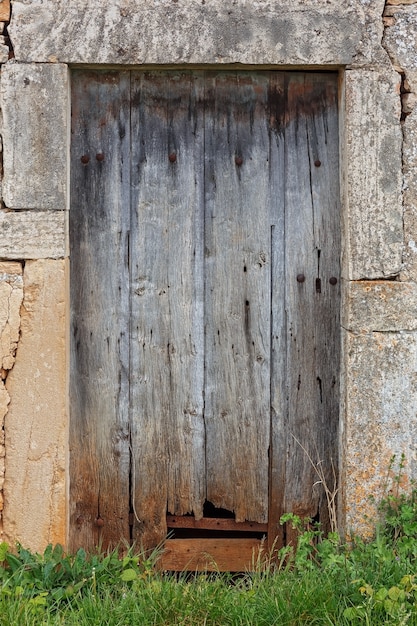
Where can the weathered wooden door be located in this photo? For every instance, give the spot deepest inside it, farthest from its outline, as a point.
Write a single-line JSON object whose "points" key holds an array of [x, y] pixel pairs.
{"points": [[205, 248]]}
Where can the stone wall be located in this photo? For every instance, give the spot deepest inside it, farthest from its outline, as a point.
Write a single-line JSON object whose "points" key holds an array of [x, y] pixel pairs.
{"points": [[373, 44], [380, 317], [11, 287], [33, 305]]}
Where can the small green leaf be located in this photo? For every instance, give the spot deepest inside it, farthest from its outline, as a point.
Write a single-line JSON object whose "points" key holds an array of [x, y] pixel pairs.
{"points": [[13, 562], [366, 590], [395, 593], [381, 594], [128, 575], [351, 613], [389, 606], [407, 583], [39, 600]]}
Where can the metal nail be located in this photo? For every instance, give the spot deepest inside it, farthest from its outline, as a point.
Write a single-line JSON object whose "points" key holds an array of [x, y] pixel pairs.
{"points": [[100, 522], [317, 163], [300, 278], [238, 160], [333, 280], [172, 157], [85, 159], [100, 156]]}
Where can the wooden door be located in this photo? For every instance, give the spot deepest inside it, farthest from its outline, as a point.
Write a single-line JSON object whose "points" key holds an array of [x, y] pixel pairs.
{"points": [[205, 298]]}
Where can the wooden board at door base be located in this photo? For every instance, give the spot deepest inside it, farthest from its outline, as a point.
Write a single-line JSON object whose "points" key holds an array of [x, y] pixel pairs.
{"points": [[205, 295], [212, 555]]}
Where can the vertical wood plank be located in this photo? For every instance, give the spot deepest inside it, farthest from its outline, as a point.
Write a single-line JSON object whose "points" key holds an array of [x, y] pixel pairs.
{"points": [[99, 226], [237, 294], [167, 300], [312, 230], [323, 139], [279, 404]]}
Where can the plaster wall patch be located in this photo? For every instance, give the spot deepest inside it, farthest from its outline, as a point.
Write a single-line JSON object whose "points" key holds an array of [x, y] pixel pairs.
{"points": [[36, 422]]}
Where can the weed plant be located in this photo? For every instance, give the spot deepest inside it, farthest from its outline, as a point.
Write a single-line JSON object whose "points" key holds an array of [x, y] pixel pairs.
{"points": [[323, 581]]}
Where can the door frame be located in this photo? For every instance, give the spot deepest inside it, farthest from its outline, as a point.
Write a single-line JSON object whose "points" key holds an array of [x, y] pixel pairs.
{"points": [[36, 193]]}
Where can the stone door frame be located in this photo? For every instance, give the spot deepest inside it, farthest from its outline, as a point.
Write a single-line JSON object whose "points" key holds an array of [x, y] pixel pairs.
{"points": [[52, 37]]}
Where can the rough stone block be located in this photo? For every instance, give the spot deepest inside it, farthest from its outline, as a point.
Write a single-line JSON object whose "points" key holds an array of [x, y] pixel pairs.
{"points": [[4, 10], [410, 193], [380, 306], [34, 101], [4, 53], [380, 419], [162, 31], [400, 37], [11, 296], [373, 139], [32, 234], [397, 2], [36, 422]]}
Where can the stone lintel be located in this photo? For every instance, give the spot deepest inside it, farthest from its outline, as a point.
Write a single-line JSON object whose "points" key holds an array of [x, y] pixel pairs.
{"points": [[372, 154], [32, 234], [288, 32], [35, 105]]}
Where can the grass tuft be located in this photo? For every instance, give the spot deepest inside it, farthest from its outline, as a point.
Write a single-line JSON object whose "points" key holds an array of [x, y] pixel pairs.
{"points": [[323, 581]]}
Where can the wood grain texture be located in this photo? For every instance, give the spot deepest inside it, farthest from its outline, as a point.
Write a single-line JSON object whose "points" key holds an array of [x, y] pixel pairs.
{"points": [[211, 555], [237, 294], [99, 226], [312, 232], [167, 374], [193, 342]]}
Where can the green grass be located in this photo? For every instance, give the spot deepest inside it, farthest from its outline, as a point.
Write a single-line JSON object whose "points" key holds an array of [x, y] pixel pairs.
{"points": [[325, 583], [322, 582], [268, 599]]}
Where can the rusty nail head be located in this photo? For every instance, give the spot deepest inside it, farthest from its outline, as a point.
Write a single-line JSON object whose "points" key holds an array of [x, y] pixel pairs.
{"points": [[100, 522], [85, 159], [317, 163], [172, 157], [333, 280], [238, 160], [79, 520], [300, 278], [100, 156]]}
